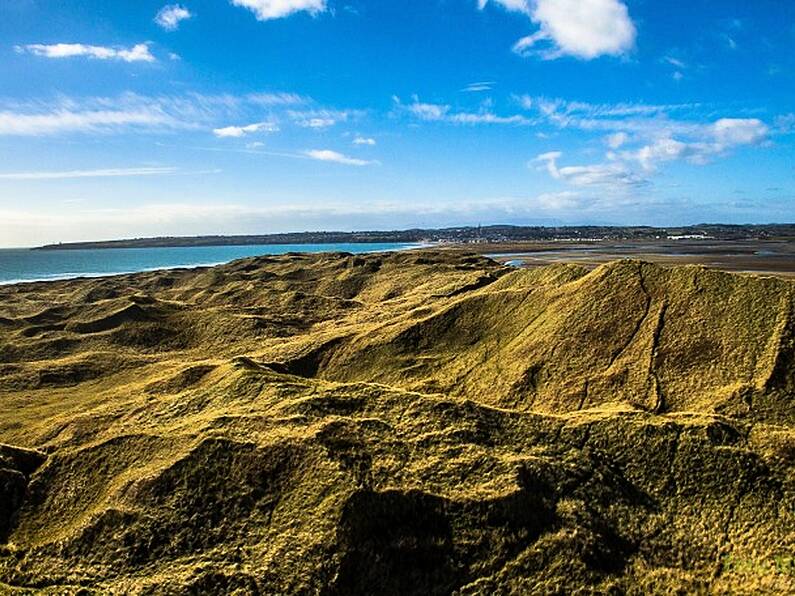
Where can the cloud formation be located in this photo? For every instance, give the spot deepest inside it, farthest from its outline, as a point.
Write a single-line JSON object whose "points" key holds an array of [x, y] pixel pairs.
{"points": [[632, 167], [63, 121], [334, 156], [266, 10], [240, 131], [584, 29], [171, 15], [103, 173], [137, 53], [479, 87], [130, 112], [610, 175], [277, 99], [430, 112], [711, 141], [364, 141], [321, 118]]}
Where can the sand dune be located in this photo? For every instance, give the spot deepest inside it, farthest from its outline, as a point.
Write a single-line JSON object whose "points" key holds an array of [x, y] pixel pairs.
{"points": [[406, 423]]}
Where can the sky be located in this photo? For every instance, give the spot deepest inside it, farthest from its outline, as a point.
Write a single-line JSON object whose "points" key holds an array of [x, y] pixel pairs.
{"points": [[127, 119]]}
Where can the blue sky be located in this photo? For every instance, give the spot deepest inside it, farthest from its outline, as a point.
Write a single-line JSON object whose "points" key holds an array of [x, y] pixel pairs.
{"points": [[122, 119]]}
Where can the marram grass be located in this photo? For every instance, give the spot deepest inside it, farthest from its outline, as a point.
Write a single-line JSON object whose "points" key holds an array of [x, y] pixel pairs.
{"points": [[410, 423]]}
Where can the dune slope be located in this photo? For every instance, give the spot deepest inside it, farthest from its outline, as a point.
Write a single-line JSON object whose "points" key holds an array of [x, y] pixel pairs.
{"points": [[408, 423]]}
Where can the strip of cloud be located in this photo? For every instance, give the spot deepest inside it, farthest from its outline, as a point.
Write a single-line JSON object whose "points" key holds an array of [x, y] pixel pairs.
{"points": [[265, 10], [171, 15], [675, 62], [103, 173], [277, 99], [562, 108], [487, 118], [364, 141], [66, 121], [640, 119], [479, 87], [317, 122], [584, 29], [334, 156], [131, 112], [138, 53], [430, 112], [240, 131], [319, 119]]}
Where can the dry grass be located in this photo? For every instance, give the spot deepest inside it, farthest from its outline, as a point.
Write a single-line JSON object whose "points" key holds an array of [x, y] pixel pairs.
{"points": [[410, 423]]}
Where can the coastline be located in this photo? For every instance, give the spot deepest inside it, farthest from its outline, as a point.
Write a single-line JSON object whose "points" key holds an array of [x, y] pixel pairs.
{"points": [[75, 275]]}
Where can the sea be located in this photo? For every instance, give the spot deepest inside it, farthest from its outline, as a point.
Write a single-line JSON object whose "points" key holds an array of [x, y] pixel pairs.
{"points": [[22, 264]]}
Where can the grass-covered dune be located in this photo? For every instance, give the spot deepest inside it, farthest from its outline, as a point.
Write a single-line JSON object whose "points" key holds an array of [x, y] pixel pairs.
{"points": [[407, 423]]}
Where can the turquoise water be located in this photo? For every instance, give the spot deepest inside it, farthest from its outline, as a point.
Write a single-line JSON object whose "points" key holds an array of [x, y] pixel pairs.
{"points": [[17, 265]]}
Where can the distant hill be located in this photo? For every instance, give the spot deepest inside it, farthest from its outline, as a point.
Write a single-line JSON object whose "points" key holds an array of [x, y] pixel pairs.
{"points": [[492, 233]]}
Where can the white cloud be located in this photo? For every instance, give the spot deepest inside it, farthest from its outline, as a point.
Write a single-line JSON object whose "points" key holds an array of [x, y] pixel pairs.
{"points": [[137, 53], [487, 118], [512, 5], [321, 118], [730, 132], [712, 141], [674, 62], [616, 140], [428, 111], [277, 99], [479, 87], [611, 175], [443, 113], [133, 112], [700, 144], [317, 122], [563, 109], [585, 29], [170, 16], [364, 141], [333, 156], [104, 173], [240, 131], [275, 9], [61, 121], [661, 150], [122, 113], [649, 120]]}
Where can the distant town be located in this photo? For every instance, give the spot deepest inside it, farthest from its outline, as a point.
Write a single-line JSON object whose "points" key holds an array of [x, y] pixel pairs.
{"points": [[492, 234]]}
